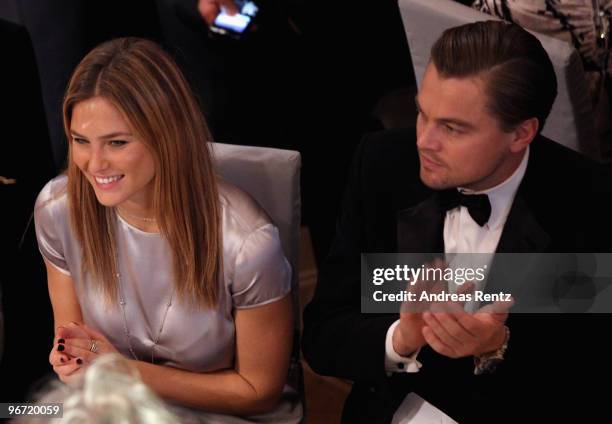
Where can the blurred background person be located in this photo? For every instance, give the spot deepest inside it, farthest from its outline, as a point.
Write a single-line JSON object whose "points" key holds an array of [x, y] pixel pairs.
{"points": [[585, 24], [26, 165]]}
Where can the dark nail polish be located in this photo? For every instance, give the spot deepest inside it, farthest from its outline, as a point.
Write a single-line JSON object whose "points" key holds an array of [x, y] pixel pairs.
{"points": [[60, 348], [61, 341], [79, 361]]}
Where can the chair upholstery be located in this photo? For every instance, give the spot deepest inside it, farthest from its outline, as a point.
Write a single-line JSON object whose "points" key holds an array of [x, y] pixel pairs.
{"points": [[272, 178], [571, 121]]}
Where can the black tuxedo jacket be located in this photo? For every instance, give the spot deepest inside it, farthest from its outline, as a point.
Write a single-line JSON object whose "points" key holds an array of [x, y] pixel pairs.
{"points": [[554, 364]]}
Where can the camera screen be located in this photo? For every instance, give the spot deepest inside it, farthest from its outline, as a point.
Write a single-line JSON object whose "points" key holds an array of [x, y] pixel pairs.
{"points": [[239, 22]]}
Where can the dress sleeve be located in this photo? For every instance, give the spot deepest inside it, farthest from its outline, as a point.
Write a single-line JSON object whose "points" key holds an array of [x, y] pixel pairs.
{"points": [[49, 242], [262, 273]]}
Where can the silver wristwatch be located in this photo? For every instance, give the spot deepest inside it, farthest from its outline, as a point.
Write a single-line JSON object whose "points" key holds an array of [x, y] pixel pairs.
{"points": [[488, 362]]}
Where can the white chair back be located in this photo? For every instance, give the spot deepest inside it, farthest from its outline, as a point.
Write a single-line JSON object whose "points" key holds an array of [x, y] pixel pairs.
{"points": [[272, 178]]}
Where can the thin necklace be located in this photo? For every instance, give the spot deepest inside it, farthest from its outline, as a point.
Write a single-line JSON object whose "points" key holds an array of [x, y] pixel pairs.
{"points": [[126, 329], [135, 216]]}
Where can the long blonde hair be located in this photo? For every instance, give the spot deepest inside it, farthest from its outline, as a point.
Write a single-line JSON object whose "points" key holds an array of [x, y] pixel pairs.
{"points": [[143, 82]]}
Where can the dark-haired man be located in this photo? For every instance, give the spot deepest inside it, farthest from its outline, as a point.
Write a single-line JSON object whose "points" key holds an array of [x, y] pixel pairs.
{"points": [[485, 96]]}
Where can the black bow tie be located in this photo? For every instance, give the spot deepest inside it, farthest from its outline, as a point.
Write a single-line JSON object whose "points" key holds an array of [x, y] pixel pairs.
{"points": [[478, 205]]}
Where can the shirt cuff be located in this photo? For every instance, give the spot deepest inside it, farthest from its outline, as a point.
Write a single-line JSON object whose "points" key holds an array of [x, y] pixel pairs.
{"points": [[394, 362]]}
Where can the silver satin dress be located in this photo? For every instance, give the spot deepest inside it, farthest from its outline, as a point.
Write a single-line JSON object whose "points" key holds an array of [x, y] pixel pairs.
{"points": [[255, 273]]}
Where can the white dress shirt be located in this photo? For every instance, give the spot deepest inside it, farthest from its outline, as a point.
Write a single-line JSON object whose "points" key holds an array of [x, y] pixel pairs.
{"points": [[463, 235]]}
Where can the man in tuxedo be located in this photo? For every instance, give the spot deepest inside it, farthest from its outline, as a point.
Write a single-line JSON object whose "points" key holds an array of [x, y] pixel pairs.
{"points": [[478, 178]]}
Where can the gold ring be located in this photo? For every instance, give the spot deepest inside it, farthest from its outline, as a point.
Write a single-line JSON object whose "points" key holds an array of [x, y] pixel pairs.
{"points": [[93, 346]]}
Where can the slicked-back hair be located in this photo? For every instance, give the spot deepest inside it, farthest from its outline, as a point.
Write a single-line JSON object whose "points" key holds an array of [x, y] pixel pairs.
{"points": [[520, 80]]}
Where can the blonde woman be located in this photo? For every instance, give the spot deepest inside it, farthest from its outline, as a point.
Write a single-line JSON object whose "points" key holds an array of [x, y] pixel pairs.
{"points": [[150, 255]]}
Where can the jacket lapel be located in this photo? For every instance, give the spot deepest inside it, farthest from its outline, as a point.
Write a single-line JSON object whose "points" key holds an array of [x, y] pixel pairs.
{"points": [[420, 229], [522, 233]]}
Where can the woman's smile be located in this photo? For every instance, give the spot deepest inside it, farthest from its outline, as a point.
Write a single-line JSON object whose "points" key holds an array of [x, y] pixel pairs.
{"points": [[107, 183]]}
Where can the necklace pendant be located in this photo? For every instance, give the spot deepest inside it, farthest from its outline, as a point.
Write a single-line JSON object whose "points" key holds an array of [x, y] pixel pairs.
{"points": [[126, 329]]}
